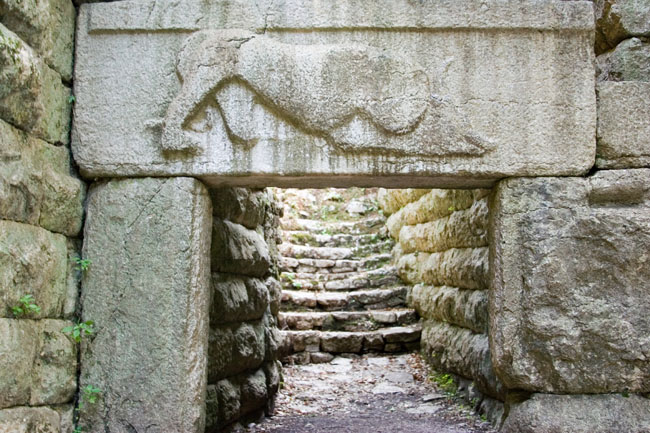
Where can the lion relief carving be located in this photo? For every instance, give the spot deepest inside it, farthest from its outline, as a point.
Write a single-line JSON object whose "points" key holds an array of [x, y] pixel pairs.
{"points": [[355, 97]]}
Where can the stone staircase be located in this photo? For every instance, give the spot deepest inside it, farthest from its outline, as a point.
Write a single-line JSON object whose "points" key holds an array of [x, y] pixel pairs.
{"points": [[340, 294]]}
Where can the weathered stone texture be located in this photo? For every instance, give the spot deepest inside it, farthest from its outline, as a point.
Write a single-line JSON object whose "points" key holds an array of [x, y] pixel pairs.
{"points": [[620, 19], [579, 414], [281, 119], [630, 61], [234, 349], [148, 291], [459, 350], [47, 26], [38, 363], [568, 299], [35, 183], [463, 229], [240, 205], [30, 420], [623, 126], [237, 298], [466, 268], [392, 200], [35, 262], [464, 308], [32, 96], [238, 250]]}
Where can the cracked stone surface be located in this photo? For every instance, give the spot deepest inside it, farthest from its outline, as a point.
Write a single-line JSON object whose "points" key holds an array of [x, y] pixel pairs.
{"points": [[365, 394]]}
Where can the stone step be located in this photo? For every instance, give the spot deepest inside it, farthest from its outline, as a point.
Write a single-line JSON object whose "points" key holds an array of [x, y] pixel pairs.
{"points": [[306, 265], [302, 237], [374, 299], [351, 321], [334, 253], [366, 225], [299, 345], [382, 277]]}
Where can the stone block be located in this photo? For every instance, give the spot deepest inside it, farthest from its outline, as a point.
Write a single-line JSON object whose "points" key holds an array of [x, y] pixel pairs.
{"points": [[275, 294], [223, 404], [463, 352], [47, 26], [579, 414], [253, 392], [35, 183], [148, 292], [341, 342], [462, 229], [630, 61], [30, 420], [32, 96], [466, 268], [619, 19], [238, 250], [240, 205], [33, 262], [17, 353], [235, 348], [73, 280], [385, 96], [38, 363], [438, 203], [237, 299], [464, 308], [54, 373], [392, 200], [623, 127], [569, 303]]}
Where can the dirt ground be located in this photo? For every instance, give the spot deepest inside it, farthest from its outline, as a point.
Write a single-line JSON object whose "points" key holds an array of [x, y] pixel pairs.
{"points": [[368, 394]]}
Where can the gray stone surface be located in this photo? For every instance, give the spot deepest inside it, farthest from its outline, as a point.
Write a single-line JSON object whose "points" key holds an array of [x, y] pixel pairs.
{"points": [[569, 283], [579, 414], [458, 350], [237, 299], [33, 262], [30, 419], [238, 250], [630, 61], [47, 26], [35, 183], [623, 126], [619, 19], [240, 205], [331, 105], [32, 96], [234, 349], [38, 363], [147, 291], [465, 308]]}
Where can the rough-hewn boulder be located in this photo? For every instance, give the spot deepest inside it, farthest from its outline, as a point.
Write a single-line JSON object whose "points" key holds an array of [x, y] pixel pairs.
{"points": [[630, 61], [606, 413], [148, 291], [47, 26], [32, 96], [240, 205], [465, 308], [237, 299], [34, 262], [238, 250], [623, 127], [619, 19], [30, 419], [569, 293], [235, 348], [35, 183]]}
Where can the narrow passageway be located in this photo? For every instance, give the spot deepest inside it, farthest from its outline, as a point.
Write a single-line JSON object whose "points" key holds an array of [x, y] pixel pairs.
{"points": [[366, 394], [349, 340]]}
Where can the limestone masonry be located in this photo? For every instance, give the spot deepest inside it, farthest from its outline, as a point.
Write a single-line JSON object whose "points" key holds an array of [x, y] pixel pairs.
{"points": [[149, 282]]}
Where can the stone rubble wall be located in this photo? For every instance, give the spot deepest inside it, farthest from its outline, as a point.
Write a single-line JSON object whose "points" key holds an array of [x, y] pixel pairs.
{"points": [[243, 367], [41, 216], [443, 251]]}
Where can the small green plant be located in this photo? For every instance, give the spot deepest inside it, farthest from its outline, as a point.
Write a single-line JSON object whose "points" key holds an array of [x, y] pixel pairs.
{"points": [[72, 99], [82, 265], [91, 394], [26, 306], [445, 382], [77, 429], [77, 331], [296, 284], [451, 209]]}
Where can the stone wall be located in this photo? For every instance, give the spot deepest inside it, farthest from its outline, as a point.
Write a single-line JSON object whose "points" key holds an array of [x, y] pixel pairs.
{"points": [[41, 216], [243, 366], [443, 251]]}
